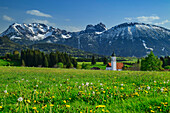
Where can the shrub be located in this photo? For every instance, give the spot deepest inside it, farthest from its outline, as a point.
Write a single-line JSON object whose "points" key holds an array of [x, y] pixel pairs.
{"points": [[167, 67]]}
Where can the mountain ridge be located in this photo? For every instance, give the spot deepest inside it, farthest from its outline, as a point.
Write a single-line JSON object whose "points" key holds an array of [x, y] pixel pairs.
{"points": [[127, 39]]}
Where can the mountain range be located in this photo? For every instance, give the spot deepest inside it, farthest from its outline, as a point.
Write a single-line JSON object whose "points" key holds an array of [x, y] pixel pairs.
{"points": [[127, 39]]}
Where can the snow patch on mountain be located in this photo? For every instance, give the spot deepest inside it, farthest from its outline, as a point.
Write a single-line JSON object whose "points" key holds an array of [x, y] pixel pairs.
{"points": [[144, 44], [66, 36], [14, 37]]}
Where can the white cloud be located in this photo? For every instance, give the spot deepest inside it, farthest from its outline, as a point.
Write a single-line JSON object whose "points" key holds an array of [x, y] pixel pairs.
{"points": [[71, 28], [38, 13], [7, 18], [128, 18], [145, 19], [40, 21], [163, 22]]}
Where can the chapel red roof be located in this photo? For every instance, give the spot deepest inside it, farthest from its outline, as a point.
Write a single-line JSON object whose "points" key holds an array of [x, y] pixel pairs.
{"points": [[118, 65]]}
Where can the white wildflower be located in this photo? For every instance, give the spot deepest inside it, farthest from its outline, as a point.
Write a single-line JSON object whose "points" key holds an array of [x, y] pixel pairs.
{"points": [[20, 99], [162, 89], [121, 84], [22, 79], [148, 88], [93, 92], [87, 83], [79, 87], [91, 83], [82, 84], [26, 80], [36, 85], [101, 84], [60, 84], [5, 91]]}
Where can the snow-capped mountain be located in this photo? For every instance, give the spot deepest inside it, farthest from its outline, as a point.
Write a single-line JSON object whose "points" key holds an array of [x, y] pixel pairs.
{"points": [[127, 39], [31, 33]]}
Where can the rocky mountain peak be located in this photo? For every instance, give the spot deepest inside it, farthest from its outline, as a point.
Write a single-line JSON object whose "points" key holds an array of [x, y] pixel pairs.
{"points": [[95, 28]]}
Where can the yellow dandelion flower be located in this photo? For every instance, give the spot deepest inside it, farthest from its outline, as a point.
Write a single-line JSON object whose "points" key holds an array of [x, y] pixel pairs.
{"points": [[150, 107], [115, 87], [121, 88], [51, 105], [28, 101], [81, 112], [107, 110], [152, 111], [104, 91], [91, 111], [103, 110], [70, 98], [34, 108], [43, 107], [64, 101], [0, 107], [67, 106], [158, 107], [100, 106], [53, 96], [34, 101]]}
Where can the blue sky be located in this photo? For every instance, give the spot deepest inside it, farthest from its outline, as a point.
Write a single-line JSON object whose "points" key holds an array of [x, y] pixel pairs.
{"points": [[74, 15]]}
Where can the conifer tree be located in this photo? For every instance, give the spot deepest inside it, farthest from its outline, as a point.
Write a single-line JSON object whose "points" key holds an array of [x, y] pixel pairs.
{"points": [[23, 63], [74, 62], [105, 61], [93, 61], [68, 64], [45, 62]]}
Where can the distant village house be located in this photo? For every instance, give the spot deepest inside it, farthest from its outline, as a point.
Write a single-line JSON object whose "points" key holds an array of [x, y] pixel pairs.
{"points": [[114, 65]]}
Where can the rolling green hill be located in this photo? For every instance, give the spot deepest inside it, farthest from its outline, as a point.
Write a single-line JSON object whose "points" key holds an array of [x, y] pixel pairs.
{"points": [[9, 46]]}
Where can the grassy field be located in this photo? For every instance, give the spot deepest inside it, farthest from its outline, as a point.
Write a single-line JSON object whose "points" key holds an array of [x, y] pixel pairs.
{"points": [[53, 90], [89, 66]]}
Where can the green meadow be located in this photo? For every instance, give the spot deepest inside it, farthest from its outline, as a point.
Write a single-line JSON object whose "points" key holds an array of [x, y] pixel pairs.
{"points": [[51, 90]]}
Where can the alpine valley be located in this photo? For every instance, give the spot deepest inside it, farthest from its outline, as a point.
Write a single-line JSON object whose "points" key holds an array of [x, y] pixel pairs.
{"points": [[127, 39]]}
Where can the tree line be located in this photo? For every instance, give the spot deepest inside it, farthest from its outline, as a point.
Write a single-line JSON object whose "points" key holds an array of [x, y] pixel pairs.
{"points": [[38, 58]]}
